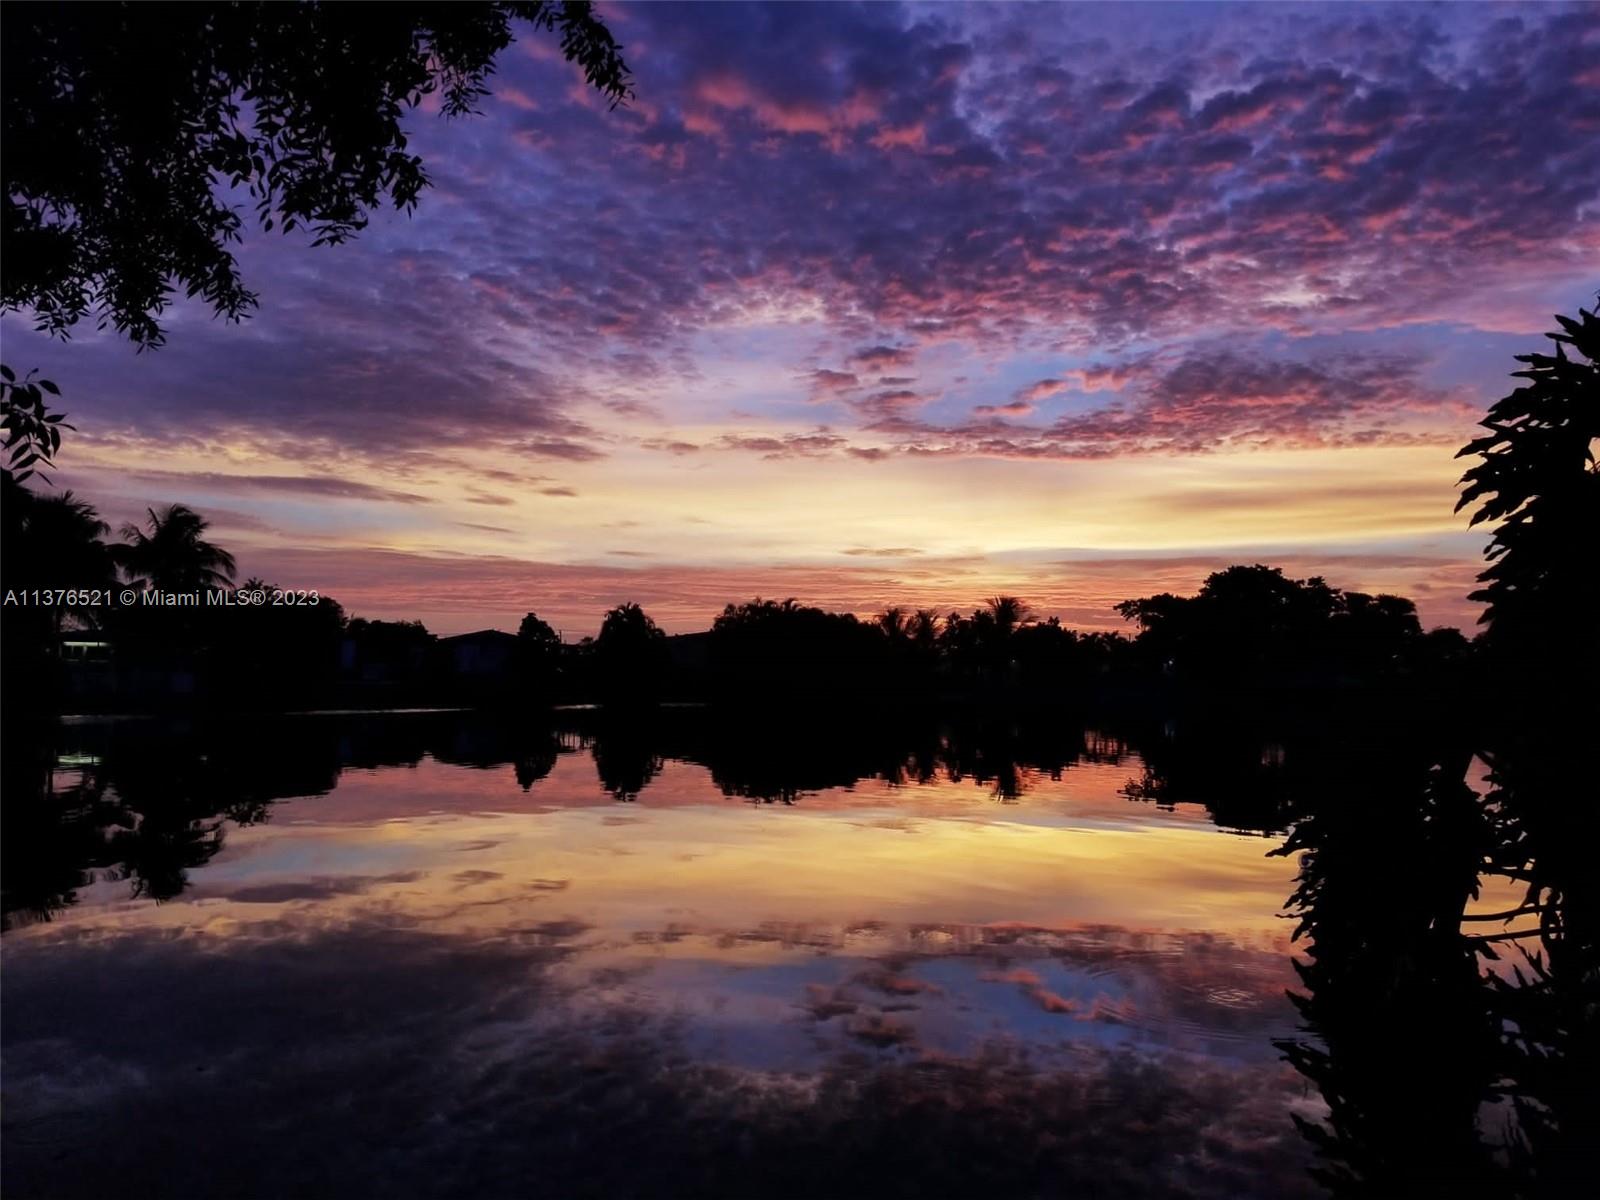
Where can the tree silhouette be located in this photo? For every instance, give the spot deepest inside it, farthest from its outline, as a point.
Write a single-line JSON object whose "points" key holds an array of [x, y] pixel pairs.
{"points": [[538, 635], [47, 542], [785, 651], [266, 656], [539, 649], [539, 660], [1008, 613], [389, 652], [923, 628], [1252, 626], [1539, 480], [32, 431], [979, 650], [53, 542], [630, 654], [1046, 655], [118, 125], [894, 622], [170, 553]]}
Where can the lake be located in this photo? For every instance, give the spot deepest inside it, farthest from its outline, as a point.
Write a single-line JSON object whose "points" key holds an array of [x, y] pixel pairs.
{"points": [[438, 954]]}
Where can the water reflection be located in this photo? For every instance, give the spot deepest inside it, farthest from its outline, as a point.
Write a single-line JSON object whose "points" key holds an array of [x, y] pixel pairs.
{"points": [[442, 954], [149, 800], [1451, 979]]}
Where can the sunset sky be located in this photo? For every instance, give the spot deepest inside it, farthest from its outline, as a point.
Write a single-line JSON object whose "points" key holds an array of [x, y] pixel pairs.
{"points": [[894, 304]]}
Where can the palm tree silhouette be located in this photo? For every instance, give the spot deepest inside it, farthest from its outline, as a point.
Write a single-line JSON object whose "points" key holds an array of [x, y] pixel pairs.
{"points": [[50, 542], [62, 541], [171, 554], [1008, 613], [894, 623]]}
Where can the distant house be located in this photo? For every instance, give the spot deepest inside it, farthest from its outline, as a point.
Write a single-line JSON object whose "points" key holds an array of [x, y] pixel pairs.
{"points": [[488, 654], [83, 649], [86, 667], [92, 674]]}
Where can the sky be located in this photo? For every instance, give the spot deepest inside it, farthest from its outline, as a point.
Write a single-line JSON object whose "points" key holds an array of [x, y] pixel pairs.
{"points": [[894, 304]]}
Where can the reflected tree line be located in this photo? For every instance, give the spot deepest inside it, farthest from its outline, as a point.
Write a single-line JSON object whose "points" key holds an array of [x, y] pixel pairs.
{"points": [[1444, 1034], [148, 800], [1451, 981], [1452, 1038]]}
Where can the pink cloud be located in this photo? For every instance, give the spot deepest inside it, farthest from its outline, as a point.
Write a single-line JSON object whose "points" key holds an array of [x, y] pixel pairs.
{"points": [[906, 137], [517, 98], [1016, 408], [1042, 390]]}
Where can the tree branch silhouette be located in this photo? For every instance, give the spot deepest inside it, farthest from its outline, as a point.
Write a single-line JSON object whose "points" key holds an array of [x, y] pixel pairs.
{"points": [[131, 132]]}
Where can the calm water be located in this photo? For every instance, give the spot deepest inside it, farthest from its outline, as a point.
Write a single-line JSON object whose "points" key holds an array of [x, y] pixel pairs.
{"points": [[439, 955]]}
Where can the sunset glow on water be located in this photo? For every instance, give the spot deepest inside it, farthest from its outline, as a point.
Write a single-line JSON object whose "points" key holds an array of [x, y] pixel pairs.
{"points": [[883, 927]]}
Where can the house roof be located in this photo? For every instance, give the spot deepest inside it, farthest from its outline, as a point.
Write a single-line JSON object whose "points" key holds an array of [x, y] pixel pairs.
{"points": [[481, 636]]}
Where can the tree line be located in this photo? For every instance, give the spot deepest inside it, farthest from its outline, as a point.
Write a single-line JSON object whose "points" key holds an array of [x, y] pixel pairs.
{"points": [[1249, 627]]}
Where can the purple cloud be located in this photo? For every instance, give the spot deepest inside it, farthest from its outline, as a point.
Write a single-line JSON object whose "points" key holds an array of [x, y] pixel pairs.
{"points": [[914, 176]]}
